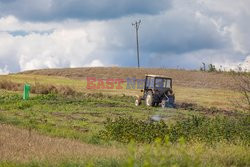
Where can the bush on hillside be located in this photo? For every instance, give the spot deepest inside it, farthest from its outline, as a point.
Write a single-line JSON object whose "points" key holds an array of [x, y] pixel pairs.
{"points": [[9, 85], [38, 88], [195, 128]]}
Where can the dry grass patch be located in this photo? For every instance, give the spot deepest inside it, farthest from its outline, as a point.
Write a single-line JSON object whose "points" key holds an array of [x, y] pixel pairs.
{"points": [[9, 85], [20, 145], [38, 88], [186, 78], [48, 88], [206, 97]]}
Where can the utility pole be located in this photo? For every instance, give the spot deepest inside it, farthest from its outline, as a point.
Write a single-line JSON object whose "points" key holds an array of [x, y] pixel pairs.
{"points": [[137, 26]]}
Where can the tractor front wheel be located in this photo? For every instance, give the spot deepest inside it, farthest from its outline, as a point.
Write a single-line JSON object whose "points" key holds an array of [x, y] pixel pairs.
{"points": [[149, 99]]}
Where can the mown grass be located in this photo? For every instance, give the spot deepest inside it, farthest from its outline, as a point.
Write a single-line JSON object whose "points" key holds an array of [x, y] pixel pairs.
{"points": [[219, 98]]}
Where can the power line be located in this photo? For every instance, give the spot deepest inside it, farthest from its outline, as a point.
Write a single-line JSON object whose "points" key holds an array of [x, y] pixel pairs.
{"points": [[137, 26]]}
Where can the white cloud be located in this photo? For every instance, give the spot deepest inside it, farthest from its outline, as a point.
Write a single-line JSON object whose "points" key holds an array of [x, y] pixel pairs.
{"points": [[61, 48], [232, 17], [4, 71], [95, 63], [70, 44], [185, 35], [236, 66], [11, 23]]}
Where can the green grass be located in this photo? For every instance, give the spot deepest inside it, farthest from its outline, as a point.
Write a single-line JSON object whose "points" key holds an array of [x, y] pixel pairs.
{"points": [[82, 117], [73, 117]]}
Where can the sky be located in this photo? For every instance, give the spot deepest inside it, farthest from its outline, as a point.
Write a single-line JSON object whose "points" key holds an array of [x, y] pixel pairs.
{"points": [[37, 34]]}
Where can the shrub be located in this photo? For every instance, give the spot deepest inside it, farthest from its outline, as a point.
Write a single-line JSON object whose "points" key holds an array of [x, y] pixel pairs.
{"points": [[9, 85], [43, 89], [38, 88], [211, 68], [127, 129], [195, 128], [66, 90], [212, 129], [191, 154], [51, 89]]}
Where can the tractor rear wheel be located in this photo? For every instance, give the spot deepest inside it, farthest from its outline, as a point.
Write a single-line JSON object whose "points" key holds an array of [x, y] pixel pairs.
{"points": [[149, 99], [137, 102]]}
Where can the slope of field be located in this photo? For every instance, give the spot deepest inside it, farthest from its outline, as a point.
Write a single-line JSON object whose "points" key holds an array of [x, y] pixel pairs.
{"points": [[181, 77], [20, 145]]}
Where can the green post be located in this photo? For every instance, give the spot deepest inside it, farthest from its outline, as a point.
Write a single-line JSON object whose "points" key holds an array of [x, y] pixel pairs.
{"points": [[26, 92]]}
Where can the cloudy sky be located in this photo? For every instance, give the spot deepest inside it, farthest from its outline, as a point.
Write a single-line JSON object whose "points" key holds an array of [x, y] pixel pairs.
{"points": [[38, 34]]}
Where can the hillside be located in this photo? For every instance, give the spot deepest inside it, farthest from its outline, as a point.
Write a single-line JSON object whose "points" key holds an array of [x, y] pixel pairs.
{"points": [[197, 79], [65, 124]]}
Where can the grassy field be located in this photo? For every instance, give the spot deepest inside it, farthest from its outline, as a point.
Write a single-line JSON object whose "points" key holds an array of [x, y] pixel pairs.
{"points": [[66, 130], [209, 97]]}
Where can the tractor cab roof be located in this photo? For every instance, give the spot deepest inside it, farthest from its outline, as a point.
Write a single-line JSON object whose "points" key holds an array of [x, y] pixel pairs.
{"points": [[158, 76]]}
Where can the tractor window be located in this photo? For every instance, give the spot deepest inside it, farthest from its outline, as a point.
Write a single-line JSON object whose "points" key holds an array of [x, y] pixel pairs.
{"points": [[162, 83], [150, 83], [167, 83]]}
